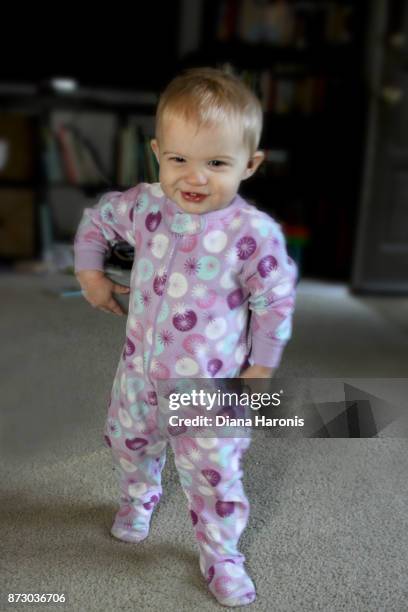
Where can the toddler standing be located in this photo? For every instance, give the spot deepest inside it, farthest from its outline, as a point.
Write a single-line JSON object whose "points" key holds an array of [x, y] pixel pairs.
{"points": [[211, 295]]}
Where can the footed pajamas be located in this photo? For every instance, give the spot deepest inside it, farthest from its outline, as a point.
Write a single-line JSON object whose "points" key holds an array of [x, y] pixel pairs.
{"points": [[209, 294]]}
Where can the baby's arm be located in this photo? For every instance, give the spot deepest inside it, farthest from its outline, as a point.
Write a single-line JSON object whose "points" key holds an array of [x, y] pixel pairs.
{"points": [[270, 276], [108, 222]]}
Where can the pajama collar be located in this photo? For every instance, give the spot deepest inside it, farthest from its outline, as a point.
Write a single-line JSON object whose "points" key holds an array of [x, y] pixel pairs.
{"points": [[181, 222]]}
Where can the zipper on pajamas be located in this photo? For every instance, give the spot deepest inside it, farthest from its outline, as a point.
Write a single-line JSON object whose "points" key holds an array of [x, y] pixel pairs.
{"points": [[171, 259]]}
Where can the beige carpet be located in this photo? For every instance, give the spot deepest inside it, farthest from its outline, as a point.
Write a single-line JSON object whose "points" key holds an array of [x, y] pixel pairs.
{"points": [[328, 528]]}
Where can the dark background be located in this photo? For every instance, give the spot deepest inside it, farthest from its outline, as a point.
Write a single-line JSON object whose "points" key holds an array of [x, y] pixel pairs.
{"points": [[140, 49], [127, 48]]}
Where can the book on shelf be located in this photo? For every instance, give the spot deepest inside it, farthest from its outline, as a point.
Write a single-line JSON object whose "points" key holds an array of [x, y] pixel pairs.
{"points": [[69, 160], [70, 157], [227, 20], [284, 23], [78, 147], [338, 27], [128, 154], [296, 92], [51, 156], [83, 147], [90, 165], [137, 161], [250, 21]]}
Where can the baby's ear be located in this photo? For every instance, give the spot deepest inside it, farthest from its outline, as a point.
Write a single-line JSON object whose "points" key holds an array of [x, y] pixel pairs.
{"points": [[155, 148], [253, 163]]}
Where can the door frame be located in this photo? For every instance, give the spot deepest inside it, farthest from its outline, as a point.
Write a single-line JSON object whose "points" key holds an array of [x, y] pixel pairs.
{"points": [[374, 62]]}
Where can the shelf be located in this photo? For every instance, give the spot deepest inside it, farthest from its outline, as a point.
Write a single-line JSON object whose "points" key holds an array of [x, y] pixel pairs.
{"points": [[37, 99], [15, 184]]}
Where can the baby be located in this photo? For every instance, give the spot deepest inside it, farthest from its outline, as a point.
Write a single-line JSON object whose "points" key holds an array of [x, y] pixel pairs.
{"points": [[212, 295]]}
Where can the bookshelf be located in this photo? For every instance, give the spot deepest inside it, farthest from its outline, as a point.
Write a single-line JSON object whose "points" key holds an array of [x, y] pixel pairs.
{"points": [[305, 61], [59, 153]]}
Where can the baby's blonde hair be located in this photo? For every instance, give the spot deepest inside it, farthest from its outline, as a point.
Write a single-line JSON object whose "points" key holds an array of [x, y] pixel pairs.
{"points": [[209, 96]]}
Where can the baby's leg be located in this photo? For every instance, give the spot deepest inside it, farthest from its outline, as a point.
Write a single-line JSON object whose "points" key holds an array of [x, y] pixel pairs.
{"points": [[210, 473], [139, 455]]}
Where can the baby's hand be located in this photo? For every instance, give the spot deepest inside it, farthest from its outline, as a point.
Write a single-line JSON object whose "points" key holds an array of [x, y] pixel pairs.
{"points": [[258, 371], [97, 289]]}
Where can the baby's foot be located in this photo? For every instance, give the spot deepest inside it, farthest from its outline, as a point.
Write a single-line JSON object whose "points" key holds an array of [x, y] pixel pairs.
{"points": [[132, 523], [230, 584]]}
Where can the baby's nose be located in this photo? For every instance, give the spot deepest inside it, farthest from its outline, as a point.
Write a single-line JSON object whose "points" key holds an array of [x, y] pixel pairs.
{"points": [[196, 178]]}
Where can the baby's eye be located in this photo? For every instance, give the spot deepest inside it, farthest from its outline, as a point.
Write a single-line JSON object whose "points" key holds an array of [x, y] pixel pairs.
{"points": [[177, 159], [217, 163]]}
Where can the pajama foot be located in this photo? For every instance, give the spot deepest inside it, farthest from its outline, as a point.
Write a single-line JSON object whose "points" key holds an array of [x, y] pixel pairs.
{"points": [[230, 584], [129, 536], [131, 524]]}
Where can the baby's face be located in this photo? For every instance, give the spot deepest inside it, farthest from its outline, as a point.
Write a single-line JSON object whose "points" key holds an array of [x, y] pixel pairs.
{"points": [[201, 170]]}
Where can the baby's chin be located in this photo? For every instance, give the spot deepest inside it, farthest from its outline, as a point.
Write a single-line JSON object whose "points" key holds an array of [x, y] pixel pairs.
{"points": [[194, 208], [199, 208]]}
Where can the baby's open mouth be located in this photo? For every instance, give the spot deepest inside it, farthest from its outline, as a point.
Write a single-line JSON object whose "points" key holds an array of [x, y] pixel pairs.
{"points": [[192, 196]]}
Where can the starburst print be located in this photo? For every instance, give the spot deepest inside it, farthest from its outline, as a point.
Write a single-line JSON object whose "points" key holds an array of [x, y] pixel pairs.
{"points": [[246, 246], [113, 427], [166, 337], [191, 265], [180, 309], [183, 323], [209, 317], [146, 298], [107, 213], [231, 256]]}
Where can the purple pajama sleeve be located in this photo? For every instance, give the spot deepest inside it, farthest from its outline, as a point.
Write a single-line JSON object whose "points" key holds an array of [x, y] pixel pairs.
{"points": [[270, 277], [108, 222]]}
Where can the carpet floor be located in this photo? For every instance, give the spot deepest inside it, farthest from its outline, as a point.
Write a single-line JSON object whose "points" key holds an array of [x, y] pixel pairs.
{"points": [[328, 524]]}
